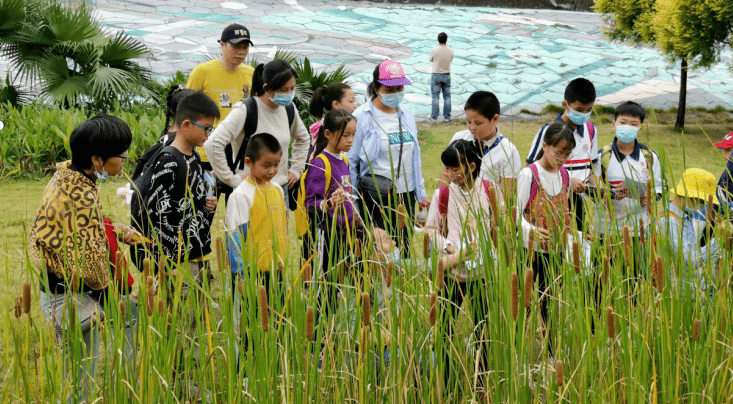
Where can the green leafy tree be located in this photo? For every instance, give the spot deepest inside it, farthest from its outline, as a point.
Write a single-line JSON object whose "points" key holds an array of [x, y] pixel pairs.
{"points": [[75, 62], [693, 32]]}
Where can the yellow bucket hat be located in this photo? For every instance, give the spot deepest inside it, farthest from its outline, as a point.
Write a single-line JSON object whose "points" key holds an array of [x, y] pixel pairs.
{"points": [[697, 183]]}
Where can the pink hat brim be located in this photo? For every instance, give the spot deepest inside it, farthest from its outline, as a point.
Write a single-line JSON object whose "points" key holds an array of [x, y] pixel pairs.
{"points": [[395, 82]]}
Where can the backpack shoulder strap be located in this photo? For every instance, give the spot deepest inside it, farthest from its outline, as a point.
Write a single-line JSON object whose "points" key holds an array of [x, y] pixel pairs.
{"points": [[535, 187], [565, 177], [648, 155], [327, 170], [346, 159], [250, 127], [591, 131], [290, 109], [443, 200], [488, 186]]}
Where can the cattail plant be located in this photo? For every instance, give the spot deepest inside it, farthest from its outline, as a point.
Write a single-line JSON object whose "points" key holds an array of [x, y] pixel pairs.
{"points": [[401, 216], [220, 254], [530, 246], [161, 270], [18, 307], [696, 330], [119, 261], [433, 316], [627, 246], [426, 244], [606, 268], [366, 309], [658, 273], [559, 373], [240, 286], [75, 281], [576, 256], [26, 298], [515, 296], [309, 322], [610, 322], [150, 291], [709, 212], [357, 248], [146, 268], [649, 199], [161, 307], [264, 308], [528, 286], [307, 271], [440, 282], [642, 232], [123, 310]]}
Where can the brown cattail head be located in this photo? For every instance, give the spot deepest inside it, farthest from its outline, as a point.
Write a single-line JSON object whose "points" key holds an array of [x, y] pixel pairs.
{"points": [[709, 211], [528, 286], [366, 309], [606, 268], [146, 268], [18, 307], [659, 273], [357, 248], [440, 281], [75, 281], [649, 199], [119, 262], [264, 308], [433, 316], [309, 320], [150, 291], [642, 232], [610, 322], [696, 330], [515, 296], [161, 307], [26, 298], [401, 215], [426, 244], [494, 203], [307, 272], [161, 270], [576, 256], [220, 255], [388, 275], [627, 246], [530, 246], [559, 373], [123, 310]]}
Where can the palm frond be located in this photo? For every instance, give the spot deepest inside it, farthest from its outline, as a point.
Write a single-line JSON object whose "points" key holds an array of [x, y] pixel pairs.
{"points": [[66, 24], [121, 48], [13, 12]]}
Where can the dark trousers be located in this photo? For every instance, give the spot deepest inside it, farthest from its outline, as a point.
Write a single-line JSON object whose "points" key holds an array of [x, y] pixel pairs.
{"points": [[454, 295], [383, 213], [576, 203]]}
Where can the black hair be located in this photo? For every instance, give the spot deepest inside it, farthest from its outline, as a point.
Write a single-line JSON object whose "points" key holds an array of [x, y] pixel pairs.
{"points": [[274, 74], [373, 87], [104, 136], [175, 95], [334, 121], [261, 141], [462, 153], [324, 97], [581, 90], [442, 38], [196, 106], [485, 103], [555, 134], [630, 108]]}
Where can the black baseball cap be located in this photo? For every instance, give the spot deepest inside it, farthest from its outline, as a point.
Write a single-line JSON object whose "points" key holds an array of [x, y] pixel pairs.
{"points": [[235, 34]]}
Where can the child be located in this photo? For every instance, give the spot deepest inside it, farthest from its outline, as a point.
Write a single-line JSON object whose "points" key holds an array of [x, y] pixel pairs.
{"points": [[725, 183], [179, 204], [458, 222], [627, 166], [256, 214], [330, 97], [542, 198], [501, 162], [329, 204], [582, 164], [683, 227]]}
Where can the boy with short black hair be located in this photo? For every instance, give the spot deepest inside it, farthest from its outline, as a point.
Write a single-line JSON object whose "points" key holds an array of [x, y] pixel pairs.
{"points": [[256, 214], [582, 164], [180, 202]]}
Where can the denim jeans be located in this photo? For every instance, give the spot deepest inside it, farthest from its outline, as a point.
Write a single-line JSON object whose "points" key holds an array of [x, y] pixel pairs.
{"points": [[438, 83]]}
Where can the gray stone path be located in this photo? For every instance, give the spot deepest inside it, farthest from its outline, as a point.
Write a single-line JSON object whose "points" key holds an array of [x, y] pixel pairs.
{"points": [[524, 56]]}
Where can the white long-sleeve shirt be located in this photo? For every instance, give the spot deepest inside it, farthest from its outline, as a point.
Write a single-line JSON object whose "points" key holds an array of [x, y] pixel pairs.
{"points": [[269, 120]]}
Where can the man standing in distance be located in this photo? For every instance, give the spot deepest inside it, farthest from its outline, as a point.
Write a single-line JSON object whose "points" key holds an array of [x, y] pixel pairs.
{"points": [[225, 80], [441, 56]]}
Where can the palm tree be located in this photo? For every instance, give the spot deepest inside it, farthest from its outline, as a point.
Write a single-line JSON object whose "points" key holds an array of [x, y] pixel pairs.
{"points": [[75, 62]]}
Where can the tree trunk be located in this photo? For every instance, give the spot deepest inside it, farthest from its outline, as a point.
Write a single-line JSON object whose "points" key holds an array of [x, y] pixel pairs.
{"points": [[680, 123]]}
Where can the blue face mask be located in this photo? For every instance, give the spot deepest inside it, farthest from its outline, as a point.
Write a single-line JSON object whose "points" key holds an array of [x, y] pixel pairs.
{"points": [[626, 133], [392, 100], [578, 118], [284, 99]]}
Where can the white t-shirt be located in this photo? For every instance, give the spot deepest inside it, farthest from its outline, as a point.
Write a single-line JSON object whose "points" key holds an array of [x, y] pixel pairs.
{"points": [[389, 124], [551, 182], [501, 160], [583, 160]]}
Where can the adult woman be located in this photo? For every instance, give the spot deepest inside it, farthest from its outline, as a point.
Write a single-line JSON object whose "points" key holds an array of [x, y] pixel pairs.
{"points": [[273, 91], [68, 241], [384, 160]]}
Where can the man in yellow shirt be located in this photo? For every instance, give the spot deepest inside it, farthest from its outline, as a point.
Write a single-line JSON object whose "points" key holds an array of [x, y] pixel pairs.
{"points": [[225, 80]]}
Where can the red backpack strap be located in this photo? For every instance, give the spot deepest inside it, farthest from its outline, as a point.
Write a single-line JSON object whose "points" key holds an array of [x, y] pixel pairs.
{"points": [[443, 200], [535, 184], [591, 131]]}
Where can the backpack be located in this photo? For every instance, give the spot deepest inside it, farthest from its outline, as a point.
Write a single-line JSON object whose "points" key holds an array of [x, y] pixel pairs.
{"points": [[236, 163], [443, 197], [143, 163], [302, 220], [535, 187], [645, 151]]}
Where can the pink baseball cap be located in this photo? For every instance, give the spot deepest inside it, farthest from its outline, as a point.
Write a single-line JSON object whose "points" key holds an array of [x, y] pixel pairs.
{"points": [[726, 143], [391, 74]]}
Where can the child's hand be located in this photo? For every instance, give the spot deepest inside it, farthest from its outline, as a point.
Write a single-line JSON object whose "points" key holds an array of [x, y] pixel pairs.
{"points": [[543, 233], [337, 198], [211, 203], [577, 185], [130, 236], [620, 192]]}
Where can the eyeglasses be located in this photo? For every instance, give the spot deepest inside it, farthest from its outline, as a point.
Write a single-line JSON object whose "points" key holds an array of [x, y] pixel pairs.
{"points": [[207, 129], [124, 158]]}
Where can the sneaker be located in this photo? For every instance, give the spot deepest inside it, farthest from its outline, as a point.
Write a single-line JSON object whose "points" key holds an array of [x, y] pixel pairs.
{"points": [[431, 120], [448, 120]]}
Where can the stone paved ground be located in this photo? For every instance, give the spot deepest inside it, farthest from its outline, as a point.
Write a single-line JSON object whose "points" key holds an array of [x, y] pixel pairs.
{"points": [[524, 56]]}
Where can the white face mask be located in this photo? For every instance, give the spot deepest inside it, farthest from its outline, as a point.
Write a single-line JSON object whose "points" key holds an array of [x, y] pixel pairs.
{"points": [[101, 176]]}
